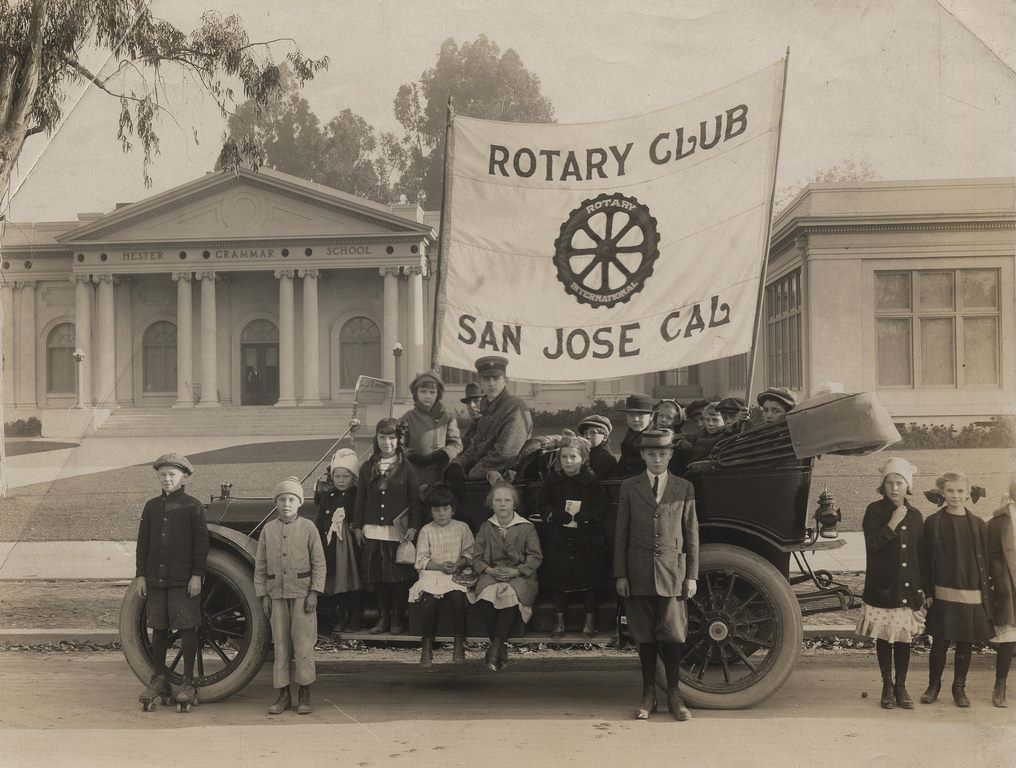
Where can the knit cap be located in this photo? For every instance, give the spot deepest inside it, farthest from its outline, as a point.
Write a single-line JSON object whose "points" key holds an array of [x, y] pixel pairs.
{"points": [[289, 485], [901, 467], [347, 459]]}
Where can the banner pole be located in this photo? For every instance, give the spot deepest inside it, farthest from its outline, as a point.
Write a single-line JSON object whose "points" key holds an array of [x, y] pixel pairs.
{"points": [[769, 233], [441, 238]]}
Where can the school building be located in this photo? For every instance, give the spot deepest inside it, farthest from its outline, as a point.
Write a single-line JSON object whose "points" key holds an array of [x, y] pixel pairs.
{"points": [[263, 290]]}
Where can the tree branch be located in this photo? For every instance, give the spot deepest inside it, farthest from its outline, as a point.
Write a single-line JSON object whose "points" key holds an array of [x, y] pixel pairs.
{"points": [[34, 130]]}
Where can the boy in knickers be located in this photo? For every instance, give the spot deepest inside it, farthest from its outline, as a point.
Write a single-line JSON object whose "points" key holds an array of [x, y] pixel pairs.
{"points": [[171, 553]]}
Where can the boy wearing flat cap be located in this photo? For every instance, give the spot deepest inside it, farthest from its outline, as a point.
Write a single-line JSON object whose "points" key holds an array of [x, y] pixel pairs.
{"points": [[500, 433], [638, 414], [656, 566], [289, 574], [596, 429], [172, 549]]}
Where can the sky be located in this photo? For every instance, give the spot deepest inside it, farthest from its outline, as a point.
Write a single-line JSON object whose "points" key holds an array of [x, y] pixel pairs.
{"points": [[915, 89]]}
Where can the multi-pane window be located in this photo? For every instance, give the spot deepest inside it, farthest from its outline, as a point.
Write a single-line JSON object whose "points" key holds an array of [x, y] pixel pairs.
{"points": [[457, 375], [678, 377], [937, 328], [60, 374], [159, 367], [737, 371], [783, 332]]}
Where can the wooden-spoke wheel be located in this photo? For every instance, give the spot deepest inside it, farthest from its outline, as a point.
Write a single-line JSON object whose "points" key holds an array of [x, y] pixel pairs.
{"points": [[233, 637], [744, 631]]}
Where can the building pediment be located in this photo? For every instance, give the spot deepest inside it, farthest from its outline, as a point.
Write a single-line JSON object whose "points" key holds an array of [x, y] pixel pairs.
{"points": [[245, 206]]}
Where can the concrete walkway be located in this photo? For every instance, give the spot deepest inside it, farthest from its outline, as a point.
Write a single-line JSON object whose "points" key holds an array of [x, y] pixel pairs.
{"points": [[53, 560]]}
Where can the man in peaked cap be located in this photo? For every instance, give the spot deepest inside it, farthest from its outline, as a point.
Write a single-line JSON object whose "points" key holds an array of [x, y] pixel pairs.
{"points": [[501, 431]]}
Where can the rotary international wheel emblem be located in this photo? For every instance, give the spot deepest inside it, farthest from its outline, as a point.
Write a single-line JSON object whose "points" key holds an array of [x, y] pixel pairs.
{"points": [[606, 250]]}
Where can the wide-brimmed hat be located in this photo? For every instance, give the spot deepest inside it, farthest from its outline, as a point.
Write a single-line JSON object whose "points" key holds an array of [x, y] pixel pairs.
{"points": [[492, 365], [174, 460], [427, 376], [473, 392], [655, 438], [695, 407], [781, 395], [596, 421], [636, 404]]}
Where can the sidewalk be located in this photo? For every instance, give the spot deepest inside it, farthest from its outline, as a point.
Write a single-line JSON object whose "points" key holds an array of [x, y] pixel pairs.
{"points": [[54, 560]]}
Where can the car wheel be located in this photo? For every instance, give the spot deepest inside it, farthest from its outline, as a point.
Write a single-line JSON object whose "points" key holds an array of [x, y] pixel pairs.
{"points": [[744, 631], [233, 637]]}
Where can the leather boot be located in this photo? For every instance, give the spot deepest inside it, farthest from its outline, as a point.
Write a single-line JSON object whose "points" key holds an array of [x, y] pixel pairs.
{"points": [[959, 693], [903, 700], [676, 706], [589, 626], [397, 626], [459, 650], [427, 651], [931, 694], [282, 703], [303, 696], [490, 659], [998, 694], [558, 629], [888, 700], [383, 622]]}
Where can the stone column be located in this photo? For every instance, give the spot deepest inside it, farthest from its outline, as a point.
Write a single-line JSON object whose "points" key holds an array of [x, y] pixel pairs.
{"points": [[7, 342], [184, 344], [390, 321], [83, 336], [24, 364], [209, 345], [287, 339], [417, 324], [105, 343], [311, 322]]}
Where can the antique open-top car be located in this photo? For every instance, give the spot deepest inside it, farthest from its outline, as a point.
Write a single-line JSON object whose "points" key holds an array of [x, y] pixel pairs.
{"points": [[745, 623]]}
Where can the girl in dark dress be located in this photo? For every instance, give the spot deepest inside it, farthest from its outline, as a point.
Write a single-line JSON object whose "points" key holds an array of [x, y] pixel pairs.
{"points": [[574, 506], [386, 489], [1002, 564], [335, 497], [893, 588], [955, 585]]}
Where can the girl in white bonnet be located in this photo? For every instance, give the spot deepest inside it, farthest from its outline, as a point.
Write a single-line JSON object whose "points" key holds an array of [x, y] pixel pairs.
{"points": [[893, 587], [335, 496]]}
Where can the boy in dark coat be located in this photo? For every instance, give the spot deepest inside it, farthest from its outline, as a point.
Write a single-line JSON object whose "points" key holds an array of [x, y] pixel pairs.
{"points": [[656, 566], [172, 549], [638, 413], [596, 429]]}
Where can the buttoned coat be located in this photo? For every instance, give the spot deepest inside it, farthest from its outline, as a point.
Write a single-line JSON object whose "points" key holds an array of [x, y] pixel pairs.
{"points": [[892, 577], [172, 541], [380, 498], [517, 546], [431, 430], [290, 561], [1002, 565], [656, 546], [500, 433]]}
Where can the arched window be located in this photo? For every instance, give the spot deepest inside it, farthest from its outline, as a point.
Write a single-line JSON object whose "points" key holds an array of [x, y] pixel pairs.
{"points": [[359, 351], [159, 367], [260, 332], [60, 363]]}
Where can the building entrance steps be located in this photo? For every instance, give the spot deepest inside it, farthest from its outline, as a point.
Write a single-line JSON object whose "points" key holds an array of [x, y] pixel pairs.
{"points": [[236, 420]]}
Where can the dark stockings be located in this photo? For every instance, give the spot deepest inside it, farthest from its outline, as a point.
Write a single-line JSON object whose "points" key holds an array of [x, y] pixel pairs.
{"points": [[160, 642], [671, 655], [561, 600], [892, 655], [937, 657], [504, 619], [647, 659], [453, 602], [189, 643], [1003, 661]]}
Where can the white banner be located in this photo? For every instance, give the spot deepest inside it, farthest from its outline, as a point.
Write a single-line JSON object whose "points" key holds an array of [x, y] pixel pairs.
{"points": [[601, 250]]}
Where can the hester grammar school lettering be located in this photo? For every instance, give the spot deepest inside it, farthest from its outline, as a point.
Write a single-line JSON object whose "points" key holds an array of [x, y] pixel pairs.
{"points": [[600, 343]]}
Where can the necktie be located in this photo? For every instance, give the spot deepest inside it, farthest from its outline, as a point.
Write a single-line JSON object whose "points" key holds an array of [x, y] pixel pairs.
{"points": [[656, 486]]}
